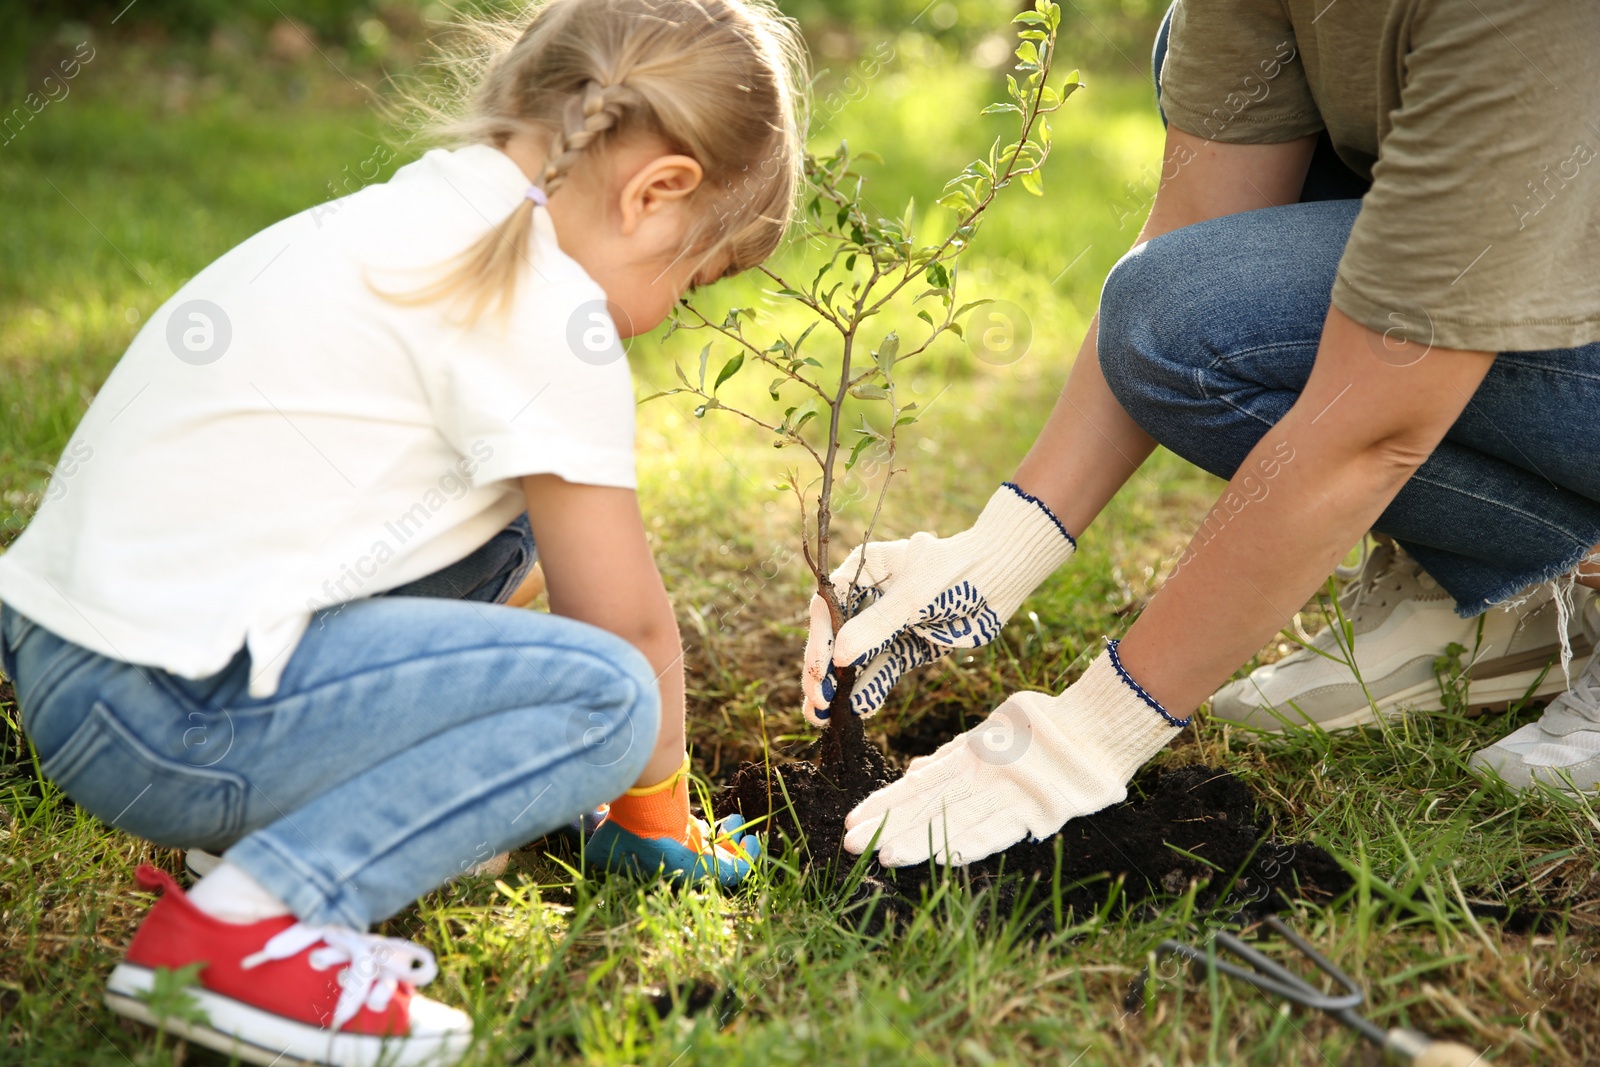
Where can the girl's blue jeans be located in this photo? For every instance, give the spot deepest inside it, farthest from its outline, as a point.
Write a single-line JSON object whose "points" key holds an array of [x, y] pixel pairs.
{"points": [[412, 736], [1207, 337]]}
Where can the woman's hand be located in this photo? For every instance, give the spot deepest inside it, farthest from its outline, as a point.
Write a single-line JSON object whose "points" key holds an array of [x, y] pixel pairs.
{"points": [[922, 598], [1034, 763]]}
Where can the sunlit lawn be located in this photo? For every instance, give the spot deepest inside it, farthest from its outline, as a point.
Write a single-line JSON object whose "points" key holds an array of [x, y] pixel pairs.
{"points": [[116, 195]]}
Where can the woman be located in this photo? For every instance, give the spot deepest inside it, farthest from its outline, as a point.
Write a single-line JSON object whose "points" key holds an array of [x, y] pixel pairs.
{"points": [[1422, 361]]}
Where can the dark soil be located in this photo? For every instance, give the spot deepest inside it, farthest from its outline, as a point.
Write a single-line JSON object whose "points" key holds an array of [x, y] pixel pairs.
{"points": [[926, 732], [1192, 824]]}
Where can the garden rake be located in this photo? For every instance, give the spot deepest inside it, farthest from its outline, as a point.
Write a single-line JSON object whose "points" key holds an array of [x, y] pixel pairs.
{"points": [[1264, 974]]}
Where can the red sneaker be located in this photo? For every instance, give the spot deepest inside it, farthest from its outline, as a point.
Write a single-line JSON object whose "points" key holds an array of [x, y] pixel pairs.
{"points": [[282, 992]]}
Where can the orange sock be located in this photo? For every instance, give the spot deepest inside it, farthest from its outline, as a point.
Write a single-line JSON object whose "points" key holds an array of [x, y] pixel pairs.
{"points": [[660, 810]]}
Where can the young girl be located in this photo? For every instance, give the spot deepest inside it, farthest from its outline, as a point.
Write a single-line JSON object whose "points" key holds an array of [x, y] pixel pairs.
{"points": [[267, 613]]}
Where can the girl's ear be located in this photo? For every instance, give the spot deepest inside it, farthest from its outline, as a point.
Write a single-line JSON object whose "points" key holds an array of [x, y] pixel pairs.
{"points": [[658, 184]]}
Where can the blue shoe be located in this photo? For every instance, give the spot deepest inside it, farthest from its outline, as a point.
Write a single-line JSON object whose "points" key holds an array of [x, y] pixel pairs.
{"points": [[611, 848]]}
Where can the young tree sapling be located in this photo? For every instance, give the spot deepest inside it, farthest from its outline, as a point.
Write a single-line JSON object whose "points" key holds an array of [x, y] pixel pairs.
{"points": [[866, 262]]}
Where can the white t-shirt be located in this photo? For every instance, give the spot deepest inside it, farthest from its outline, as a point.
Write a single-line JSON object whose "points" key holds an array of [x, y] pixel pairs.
{"points": [[279, 438]]}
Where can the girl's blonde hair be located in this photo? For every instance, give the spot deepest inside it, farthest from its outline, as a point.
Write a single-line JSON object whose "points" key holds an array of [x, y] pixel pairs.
{"points": [[717, 80]]}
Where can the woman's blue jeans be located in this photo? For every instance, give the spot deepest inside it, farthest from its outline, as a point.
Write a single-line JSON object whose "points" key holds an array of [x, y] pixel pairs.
{"points": [[411, 737], [1207, 337]]}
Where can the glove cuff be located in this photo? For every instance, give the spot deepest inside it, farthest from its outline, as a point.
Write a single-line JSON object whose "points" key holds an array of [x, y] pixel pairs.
{"points": [[1017, 531], [1111, 712]]}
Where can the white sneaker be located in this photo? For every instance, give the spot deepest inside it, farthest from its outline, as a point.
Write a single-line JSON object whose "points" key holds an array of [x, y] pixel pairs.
{"points": [[200, 862], [1402, 622], [1565, 742]]}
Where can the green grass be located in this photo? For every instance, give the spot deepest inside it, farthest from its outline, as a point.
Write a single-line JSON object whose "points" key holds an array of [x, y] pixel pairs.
{"points": [[117, 194]]}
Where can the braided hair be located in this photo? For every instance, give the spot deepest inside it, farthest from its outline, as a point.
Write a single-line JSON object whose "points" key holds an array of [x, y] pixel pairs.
{"points": [[714, 79]]}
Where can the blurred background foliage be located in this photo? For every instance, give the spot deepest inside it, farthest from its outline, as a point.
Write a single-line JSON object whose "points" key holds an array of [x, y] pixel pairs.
{"points": [[388, 33]]}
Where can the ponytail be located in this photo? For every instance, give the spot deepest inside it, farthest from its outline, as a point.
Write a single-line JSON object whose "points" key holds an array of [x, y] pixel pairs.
{"points": [[714, 78]]}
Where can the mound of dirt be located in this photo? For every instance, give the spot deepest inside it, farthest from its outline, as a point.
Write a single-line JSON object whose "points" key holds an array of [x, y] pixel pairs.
{"points": [[1177, 827], [803, 805]]}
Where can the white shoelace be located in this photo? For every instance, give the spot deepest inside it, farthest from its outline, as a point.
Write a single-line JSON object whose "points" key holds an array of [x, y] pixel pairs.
{"points": [[375, 965]]}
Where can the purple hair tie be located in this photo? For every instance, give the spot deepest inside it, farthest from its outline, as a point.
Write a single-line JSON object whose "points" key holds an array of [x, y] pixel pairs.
{"points": [[539, 197]]}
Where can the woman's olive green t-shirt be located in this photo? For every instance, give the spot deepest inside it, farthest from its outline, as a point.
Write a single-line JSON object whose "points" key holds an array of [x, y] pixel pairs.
{"points": [[1478, 123]]}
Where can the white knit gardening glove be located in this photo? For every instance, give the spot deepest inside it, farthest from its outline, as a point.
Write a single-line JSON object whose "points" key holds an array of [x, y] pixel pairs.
{"points": [[933, 595], [1035, 762]]}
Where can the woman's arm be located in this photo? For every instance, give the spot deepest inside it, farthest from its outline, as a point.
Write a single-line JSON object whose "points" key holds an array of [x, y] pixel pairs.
{"points": [[1090, 447], [599, 570], [1371, 413]]}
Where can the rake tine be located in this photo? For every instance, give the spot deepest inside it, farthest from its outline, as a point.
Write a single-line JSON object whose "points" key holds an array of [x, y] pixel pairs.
{"points": [[1269, 977], [1325, 965]]}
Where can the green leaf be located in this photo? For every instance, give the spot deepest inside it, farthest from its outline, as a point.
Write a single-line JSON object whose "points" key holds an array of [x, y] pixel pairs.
{"points": [[956, 201], [682, 377], [709, 405], [705, 354], [969, 305], [662, 393], [1031, 18], [855, 453], [868, 391], [729, 369], [808, 411], [1000, 109], [886, 353], [925, 317], [169, 998], [777, 383], [1033, 181]]}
